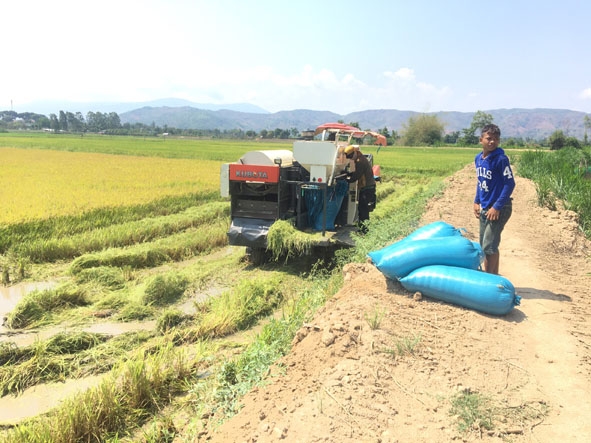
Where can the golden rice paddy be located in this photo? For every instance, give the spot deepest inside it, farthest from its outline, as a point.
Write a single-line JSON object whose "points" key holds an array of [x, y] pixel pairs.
{"points": [[37, 183]]}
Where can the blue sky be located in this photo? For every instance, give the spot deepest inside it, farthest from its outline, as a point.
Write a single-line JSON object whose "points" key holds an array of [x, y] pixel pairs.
{"points": [[340, 56]]}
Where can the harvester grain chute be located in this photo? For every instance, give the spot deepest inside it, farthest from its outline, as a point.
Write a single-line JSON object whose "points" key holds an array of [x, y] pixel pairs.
{"points": [[305, 186]]}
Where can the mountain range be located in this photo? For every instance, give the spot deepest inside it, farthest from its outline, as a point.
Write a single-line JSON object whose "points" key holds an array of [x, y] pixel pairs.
{"points": [[53, 107], [525, 123]]}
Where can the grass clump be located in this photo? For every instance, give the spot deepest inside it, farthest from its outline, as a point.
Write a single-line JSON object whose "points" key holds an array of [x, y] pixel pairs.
{"points": [[165, 289], [42, 303], [240, 307], [135, 312], [403, 346], [226, 316], [72, 343], [13, 267], [473, 411], [9, 353], [374, 319], [169, 319], [407, 345], [160, 431], [105, 276]]}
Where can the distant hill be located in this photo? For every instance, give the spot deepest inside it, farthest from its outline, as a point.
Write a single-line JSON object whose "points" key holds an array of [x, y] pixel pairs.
{"points": [[183, 114], [53, 107], [525, 123]]}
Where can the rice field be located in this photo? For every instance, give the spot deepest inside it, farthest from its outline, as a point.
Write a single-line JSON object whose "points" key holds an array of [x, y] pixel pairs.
{"points": [[136, 228], [42, 183], [49, 176]]}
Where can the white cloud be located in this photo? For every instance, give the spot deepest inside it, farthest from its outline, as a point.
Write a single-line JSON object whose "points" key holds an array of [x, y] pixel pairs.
{"points": [[403, 90], [586, 94], [402, 74], [309, 88]]}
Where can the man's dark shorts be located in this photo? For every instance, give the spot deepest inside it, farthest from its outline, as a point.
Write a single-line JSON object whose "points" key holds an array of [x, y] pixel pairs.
{"points": [[490, 230]]}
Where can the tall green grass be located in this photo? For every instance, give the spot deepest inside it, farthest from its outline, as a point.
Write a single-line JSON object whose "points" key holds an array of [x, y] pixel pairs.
{"points": [[563, 175]]}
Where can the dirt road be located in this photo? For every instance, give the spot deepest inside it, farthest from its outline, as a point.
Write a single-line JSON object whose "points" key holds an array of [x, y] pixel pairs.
{"points": [[346, 382]]}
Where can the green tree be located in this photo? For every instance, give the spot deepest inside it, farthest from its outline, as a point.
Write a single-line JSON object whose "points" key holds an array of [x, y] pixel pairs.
{"points": [[423, 130], [42, 122], [514, 141], [479, 121], [63, 121], [75, 122], [452, 137], [587, 124], [394, 136], [557, 140], [54, 122], [572, 142], [113, 120]]}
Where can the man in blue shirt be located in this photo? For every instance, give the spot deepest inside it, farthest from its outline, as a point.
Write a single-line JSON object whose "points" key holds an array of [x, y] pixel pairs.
{"points": [[493, 202]]}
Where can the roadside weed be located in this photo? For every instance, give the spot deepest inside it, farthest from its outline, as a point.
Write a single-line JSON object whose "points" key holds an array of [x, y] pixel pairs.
{"points": [[374, 319], [407, 345], [472, 410], [403, 346]]}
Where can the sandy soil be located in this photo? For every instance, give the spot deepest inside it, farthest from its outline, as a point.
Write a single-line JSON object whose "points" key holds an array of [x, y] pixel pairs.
{"points": [[346, 382]]}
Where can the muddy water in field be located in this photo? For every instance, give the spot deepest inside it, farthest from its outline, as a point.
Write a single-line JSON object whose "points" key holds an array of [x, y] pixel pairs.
{"points": [[11, 295], [27, 338], [41, 398]]}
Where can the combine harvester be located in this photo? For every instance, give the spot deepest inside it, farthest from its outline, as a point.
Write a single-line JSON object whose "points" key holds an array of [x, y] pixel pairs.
{"points": [[305, 186]]}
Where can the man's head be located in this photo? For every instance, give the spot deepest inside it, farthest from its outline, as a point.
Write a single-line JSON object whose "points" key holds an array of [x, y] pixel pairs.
{"points": [[350, 151], [490, 138], [492, 129]]}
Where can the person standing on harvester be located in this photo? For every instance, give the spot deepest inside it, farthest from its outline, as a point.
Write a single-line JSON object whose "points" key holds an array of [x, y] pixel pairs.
{"points": [[493, 202], [363, 175]]}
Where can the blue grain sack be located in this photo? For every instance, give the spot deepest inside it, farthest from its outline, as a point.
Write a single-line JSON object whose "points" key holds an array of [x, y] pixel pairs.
{"points": [[399, 259], [488, 293], [432, 230]]}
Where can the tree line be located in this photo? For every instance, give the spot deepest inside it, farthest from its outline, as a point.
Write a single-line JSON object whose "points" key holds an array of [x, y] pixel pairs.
{"points": [[424, 130], [110, 123], [428, 130], [63, 121]]}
